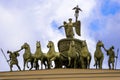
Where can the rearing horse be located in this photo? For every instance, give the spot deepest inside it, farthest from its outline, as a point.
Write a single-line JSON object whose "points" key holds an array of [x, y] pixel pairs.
{"points": [[98, 55], [85, 56], [27, 56], [52, 55], [72, 55], [39, 55]]}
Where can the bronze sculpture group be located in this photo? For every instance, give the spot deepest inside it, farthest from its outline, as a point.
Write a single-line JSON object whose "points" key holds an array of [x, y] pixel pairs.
{"points": [[73, 53]]}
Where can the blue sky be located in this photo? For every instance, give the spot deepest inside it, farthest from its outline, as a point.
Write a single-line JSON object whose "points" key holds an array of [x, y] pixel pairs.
{"points": [[37, 20]]}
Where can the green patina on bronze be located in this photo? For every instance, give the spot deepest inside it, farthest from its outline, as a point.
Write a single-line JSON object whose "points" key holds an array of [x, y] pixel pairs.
{"points": [[111, 54], [85, 55], [69, 28], [73, 53], [39, 55], [80, 51], [13, 59], [98, 55], [52, 55], [27, 56]]}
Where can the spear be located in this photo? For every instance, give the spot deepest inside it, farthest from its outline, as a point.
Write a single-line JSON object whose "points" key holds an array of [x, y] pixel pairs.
{"points": [[4, 55], [116, 58]]}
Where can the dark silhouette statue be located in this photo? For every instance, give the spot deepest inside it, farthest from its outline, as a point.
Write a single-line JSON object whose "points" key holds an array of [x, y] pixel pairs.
{"points": [[77, 9], [111, 54], [13, 59]]}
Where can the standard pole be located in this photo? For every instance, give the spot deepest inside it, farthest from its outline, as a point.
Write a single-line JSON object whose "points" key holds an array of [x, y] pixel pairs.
{"points": [[116, 58], [4, 55]]}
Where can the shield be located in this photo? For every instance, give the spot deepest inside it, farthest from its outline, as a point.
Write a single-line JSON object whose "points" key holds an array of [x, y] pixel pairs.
{"points": [[78, 27]]}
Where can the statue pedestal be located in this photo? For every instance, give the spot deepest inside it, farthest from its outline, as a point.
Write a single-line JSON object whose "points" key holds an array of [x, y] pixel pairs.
{"points": [[62, 74]]}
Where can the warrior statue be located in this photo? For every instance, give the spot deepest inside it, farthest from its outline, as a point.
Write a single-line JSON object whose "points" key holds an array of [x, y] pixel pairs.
{"points": [[77, 9], [13, 59], [111, 54], [69, 28]]}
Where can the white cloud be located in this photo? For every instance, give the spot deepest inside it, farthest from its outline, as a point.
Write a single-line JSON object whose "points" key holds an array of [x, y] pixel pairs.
{"points": [[34, 23], [109, 26]]}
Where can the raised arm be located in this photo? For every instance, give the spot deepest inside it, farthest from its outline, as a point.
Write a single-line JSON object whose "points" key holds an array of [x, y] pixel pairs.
{"points": [[18, 50], [74, 8], [60, 27], [64, 24], [105, 49]]}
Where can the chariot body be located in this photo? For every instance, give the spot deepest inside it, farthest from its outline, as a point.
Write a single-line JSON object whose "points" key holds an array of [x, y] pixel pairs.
{"points": [[63, 44], [80, 56]]}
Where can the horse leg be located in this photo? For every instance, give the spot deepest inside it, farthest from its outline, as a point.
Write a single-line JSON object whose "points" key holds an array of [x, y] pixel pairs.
{"points": [[52, 59], [69, 59], [48, 62], [24, 65], [75, 63], [45, 64], [34, 63], [95, 62], [31, 60], [88, 62], [37, 65], [43, 61], [100, 63], [82, 62], [31, 64], [27, 64]]}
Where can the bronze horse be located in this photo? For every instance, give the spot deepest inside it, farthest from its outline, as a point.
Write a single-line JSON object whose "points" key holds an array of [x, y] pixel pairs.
{"points": [[85, 56], [52, 55], [39, 55], [72, 55], [27, 56], [98, 55]]}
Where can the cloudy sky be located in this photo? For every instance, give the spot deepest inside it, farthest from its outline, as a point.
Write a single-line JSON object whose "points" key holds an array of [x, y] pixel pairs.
{"points": [[38, 20]]}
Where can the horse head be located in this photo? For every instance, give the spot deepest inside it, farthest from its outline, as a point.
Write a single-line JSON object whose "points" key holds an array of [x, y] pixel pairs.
{"points": [[50, 44], [38, 45], [100, 44], [25, 46]]}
